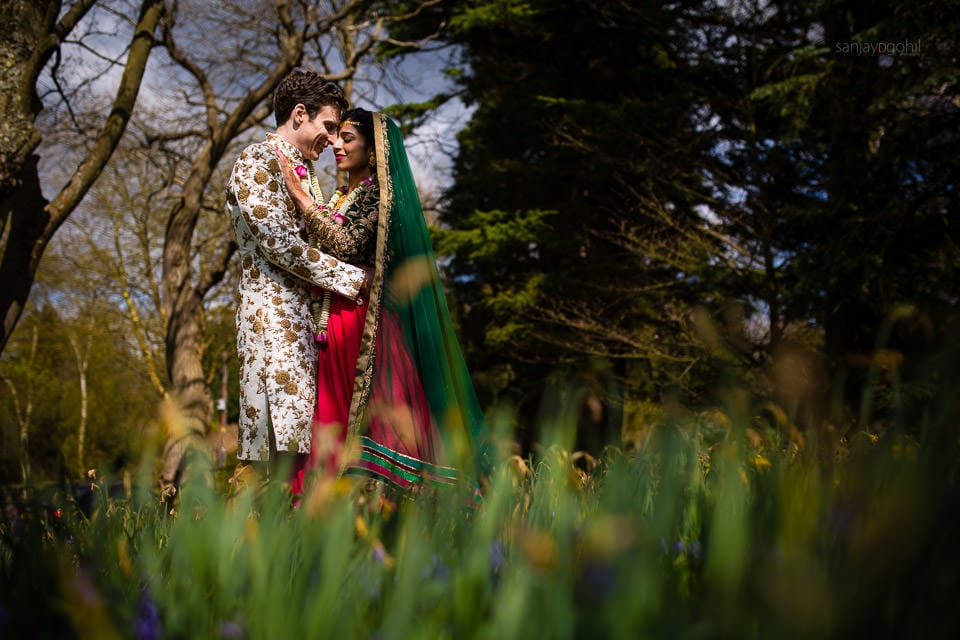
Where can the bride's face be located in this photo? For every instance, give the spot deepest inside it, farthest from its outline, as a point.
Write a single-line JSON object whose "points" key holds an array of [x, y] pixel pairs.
{"points": [[351, 150]]}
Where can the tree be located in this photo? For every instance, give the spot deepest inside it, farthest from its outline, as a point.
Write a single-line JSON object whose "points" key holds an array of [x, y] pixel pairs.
{"points": [[98, 403], [23, 400], [31, 41], [202, 100], [841, 138], [574, 224], [696, 187], [80, 345]]}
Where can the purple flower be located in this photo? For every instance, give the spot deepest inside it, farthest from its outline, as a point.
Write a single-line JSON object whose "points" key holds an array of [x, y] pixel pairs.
{"points": [[231, 630], [437, 569], [147, 625], [498, 556]]}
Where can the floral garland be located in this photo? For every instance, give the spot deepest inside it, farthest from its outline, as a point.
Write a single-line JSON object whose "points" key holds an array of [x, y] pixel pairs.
{"points": [[312, 182], [340, 203], [320, 310]]}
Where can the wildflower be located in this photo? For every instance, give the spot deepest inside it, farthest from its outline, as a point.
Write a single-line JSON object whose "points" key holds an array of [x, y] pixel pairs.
{"points": [[147, 624], [498, 556], [361, 527], [539, 548], [695, 549], [232, 630], [381, 555], [437, 570]]}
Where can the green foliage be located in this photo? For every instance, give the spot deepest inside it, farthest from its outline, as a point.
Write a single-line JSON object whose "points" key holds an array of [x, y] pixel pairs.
{"points": [[411, 115], [493, 15], [488, 234], [843, 146], [583, 112], [120, 408], [696, 533]]}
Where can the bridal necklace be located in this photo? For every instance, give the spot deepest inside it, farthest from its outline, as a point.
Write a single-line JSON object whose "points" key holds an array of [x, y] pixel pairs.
{"points": [[339, 202]]}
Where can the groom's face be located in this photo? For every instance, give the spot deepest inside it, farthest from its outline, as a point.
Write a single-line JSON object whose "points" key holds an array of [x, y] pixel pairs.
{"points": [[315, 134]]}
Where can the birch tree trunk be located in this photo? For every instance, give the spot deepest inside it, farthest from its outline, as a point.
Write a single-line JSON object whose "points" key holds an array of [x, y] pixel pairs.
{"points": [[24, 412], [82, 356]]}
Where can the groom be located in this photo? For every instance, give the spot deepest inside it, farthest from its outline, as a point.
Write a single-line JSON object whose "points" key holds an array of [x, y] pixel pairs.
{"points": [[278, 357]]}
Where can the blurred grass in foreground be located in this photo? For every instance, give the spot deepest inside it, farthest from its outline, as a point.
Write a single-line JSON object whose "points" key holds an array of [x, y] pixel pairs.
{"points": [[698, 533]]}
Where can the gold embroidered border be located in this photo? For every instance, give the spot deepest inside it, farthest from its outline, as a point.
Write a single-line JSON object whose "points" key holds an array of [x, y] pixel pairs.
{"points": [[365, 361]]}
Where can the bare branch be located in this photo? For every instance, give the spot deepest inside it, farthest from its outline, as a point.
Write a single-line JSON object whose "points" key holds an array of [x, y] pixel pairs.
{"points": [[72, 17], [81, 180], [192, 68]]}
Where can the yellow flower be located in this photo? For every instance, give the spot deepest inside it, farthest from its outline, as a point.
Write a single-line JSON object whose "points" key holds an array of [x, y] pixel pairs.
{"points": [[760, 463], [539, 548]]}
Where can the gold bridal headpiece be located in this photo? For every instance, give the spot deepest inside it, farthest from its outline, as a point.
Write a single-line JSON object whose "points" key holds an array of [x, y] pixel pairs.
{"points": [[352, 123]]}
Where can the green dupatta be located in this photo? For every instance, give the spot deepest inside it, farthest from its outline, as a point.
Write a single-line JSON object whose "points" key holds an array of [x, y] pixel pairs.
{"points": [[407, 285]]}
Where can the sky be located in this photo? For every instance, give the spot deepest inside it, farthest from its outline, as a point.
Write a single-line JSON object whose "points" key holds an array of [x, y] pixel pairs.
{"points": [[418, 77]]}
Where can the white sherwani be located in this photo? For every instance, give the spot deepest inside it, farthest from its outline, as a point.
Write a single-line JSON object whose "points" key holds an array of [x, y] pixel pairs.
{"points": [[278, 357]]}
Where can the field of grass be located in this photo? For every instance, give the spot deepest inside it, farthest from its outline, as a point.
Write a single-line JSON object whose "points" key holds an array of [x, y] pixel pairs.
{"points": [[697, 533]]}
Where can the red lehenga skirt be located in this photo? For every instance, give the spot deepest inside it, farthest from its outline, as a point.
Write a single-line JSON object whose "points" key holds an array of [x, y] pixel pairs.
{"points": [[400, 443], [336, 368]]}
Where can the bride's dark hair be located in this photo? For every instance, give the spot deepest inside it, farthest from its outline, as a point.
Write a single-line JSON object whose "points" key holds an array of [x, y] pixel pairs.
{"points": [[363, 121]]}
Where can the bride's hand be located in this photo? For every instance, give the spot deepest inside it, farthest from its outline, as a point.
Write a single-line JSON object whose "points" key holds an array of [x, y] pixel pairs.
{"points": [[292, 181]]}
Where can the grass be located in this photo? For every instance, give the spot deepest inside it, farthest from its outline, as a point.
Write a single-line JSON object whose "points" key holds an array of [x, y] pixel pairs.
{"points": [[698, 533]]}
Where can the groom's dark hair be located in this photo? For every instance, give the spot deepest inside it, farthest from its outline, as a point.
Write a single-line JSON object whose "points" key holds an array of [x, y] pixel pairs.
{"points": [[311, 90]]}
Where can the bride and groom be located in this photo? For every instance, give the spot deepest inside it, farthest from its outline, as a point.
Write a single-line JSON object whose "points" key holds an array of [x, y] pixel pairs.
{"points": [[348, 359]]}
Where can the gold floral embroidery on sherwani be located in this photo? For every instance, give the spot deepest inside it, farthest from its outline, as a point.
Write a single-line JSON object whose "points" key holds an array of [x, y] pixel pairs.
{"points": [[274, 331]]}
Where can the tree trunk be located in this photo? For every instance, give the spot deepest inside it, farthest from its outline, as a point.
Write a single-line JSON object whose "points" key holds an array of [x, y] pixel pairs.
{"points": [[83, 359], [24, 414], [24, 24], [192, 398], [29, 34], [183, 303]]}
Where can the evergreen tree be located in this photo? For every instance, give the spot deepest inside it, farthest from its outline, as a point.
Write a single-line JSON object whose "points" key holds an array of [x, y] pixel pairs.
{"points": [[575, 221], [845, 129]]}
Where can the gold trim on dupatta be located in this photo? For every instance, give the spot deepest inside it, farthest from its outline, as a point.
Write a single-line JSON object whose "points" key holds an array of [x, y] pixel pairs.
{"points": [[364, 376]]}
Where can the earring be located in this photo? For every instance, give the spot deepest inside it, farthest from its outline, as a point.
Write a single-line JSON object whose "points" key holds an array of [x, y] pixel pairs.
{"points": [[373, 160]]}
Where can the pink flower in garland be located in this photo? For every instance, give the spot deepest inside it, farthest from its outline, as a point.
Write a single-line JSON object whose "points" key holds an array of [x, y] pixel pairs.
{"points": [[339, 218], [300, 170]]}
